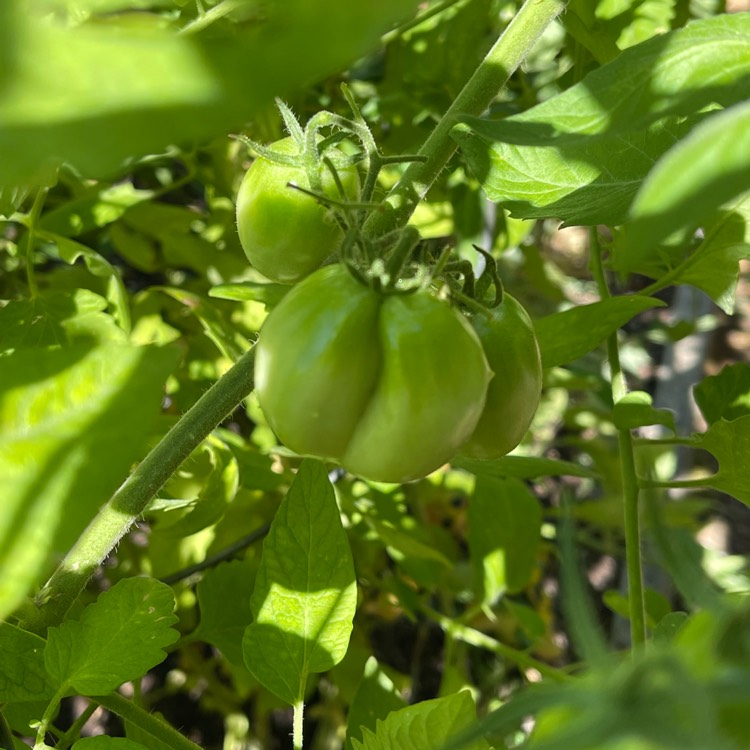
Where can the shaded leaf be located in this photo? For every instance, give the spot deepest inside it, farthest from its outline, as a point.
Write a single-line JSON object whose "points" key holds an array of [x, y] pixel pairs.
{"points": [[635, 410], [725, 395], [691, 181], [104, 742], [505, 522], [78, 96], [305, 592], [570, 334], [729, 443], [23, 676], [118, 638], [224, 599], [375, 699], [522, 467]]}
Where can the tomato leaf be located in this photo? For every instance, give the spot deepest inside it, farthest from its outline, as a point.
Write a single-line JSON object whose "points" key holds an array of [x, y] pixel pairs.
{"points": [[305, 592], [635, 410], [522, 467], [78, 97], [729, 443], [118, 638], [23, 676], [57, 318], [224, 597], [725, 395], [570, 334], [375, 698], [104, 742], [505, 522], [690, 182], [72, 422], [424, 726], [582, 155]]}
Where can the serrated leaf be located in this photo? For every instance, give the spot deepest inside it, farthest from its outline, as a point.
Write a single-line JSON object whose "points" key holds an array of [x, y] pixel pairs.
{"points": [[729, 444], [23, 676], [522, 467], [635, 410], [118, 638], [57, 318], [305, 593], [224, 599], [103, 742], [72, 421], [725, 395], [424, 726], [505, 522], [567, 335], [376, 697], [690, 182], [581, 155], [78, 97]]}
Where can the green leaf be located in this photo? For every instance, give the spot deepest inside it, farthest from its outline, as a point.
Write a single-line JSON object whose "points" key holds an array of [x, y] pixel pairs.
{"points": [[668, 627], [224, 599], [690, 182], [23, 676], [70, 251], [251, 291], [570, 334], [424, 726], [375, 699], [725, 395], [522, 467], [582, 155], [78, 96], [505, 522], [635, 410], [305, 593], [104, 742], [118, 638], [72, 422], [57, 318], [713, 266], [729, 444]]}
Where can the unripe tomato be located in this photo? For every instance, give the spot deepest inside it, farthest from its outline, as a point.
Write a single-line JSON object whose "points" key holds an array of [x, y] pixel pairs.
{"points": [[286, 234], [512, 351], [388, 386]]}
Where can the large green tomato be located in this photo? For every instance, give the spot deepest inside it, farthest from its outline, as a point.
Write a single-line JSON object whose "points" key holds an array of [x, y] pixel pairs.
{"points": [[510, 345], [286, 234], [388, 386]]}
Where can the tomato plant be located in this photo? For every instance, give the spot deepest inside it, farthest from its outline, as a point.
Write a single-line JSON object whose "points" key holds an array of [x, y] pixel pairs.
{"points": [[285, 233], [388, 385], [511, 348]]}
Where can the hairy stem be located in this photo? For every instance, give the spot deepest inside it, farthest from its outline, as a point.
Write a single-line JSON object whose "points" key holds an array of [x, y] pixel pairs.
{"points": [[627, 468], [123, 509], [492, 74], [146, 721]]}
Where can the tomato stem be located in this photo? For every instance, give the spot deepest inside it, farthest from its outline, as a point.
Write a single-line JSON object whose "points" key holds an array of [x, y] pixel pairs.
{"points": [[129, 502], [493, 73], [636, 601]]}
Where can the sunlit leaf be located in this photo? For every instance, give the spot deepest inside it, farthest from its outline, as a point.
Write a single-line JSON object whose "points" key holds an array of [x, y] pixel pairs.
{"points": [[305, 592]]}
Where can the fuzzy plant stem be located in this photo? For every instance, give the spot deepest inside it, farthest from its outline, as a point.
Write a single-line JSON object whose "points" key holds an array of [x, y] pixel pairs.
{"points": [[493, 73], [630, 487], [129, 502], [166, 734]]}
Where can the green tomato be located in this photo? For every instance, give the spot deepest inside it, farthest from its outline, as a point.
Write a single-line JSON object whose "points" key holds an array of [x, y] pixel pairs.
{"points": [[512, 351], [388, 386], [286, 234]]}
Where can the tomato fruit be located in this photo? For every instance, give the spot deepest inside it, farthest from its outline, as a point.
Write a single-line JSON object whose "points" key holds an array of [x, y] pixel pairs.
{"points": [[389, 386], [510, 345], [286, 234]]}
